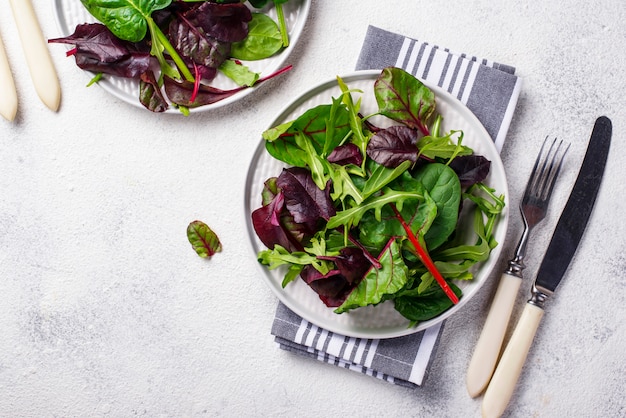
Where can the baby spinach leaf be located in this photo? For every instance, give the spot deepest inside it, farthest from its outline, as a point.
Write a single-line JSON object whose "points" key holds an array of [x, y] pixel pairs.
{"points": [[203, 240], [264, 40], [443, 186], [426, 306]]}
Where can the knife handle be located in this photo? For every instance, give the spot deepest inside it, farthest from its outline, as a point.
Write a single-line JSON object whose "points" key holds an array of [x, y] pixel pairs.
{"points": [[38, 58], [8, 100], [489, 343], [510, 366]]}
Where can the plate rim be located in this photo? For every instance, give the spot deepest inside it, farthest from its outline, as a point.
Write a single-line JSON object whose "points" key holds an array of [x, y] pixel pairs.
{"points": [[106, 84], [359, 332]]}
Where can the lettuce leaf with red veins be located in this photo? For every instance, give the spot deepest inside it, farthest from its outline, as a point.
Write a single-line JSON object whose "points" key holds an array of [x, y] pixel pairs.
{"points": [[325, 125], [379, 283], [203, 240], [405, 99]]}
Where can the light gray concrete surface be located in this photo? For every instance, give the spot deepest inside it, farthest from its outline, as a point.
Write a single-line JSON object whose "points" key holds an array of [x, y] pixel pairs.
{"points": [[106, 310]]}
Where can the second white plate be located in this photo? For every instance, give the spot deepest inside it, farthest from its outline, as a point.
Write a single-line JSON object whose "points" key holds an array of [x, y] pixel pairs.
{"points": [[70, 13]]}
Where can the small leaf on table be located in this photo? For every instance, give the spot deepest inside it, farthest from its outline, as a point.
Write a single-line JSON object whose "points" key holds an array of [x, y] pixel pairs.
{"points": [[203, 240]]}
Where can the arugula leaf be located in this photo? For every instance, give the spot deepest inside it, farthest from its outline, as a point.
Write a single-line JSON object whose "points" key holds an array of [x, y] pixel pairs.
{"points": [[352, 216]]}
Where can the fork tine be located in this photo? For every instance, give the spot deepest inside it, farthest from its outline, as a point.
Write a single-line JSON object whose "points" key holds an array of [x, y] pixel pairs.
{"points": [[546, 169], [555, 166]]}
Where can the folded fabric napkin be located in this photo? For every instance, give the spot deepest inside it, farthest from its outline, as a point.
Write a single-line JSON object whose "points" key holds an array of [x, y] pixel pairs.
{"points": [[490, 90]]}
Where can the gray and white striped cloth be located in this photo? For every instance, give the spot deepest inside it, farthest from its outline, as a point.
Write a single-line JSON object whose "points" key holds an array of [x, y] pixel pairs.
{"points": [[490, 90]]}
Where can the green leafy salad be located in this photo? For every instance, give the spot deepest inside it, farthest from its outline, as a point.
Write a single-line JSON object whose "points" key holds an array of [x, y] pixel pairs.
{"points": [[366, 214]]}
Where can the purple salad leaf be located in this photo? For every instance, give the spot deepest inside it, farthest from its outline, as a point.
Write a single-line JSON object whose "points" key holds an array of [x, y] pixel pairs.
{"points": [[351, 262], [98, 50], [393, 146], [267, 224], [225, 22], [150, 94], [98, 41], [471, 169], [303, 199], [194, 44], [332, 288], [346, 154], [182, 93]]}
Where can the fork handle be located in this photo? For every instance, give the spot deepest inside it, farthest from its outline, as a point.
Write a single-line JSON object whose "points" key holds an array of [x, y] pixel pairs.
{"points": [[38, 57], [489, 344], [510, 366], [8, 99]]}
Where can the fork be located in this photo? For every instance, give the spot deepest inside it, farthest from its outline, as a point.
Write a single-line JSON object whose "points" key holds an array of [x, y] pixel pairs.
{"points": [[533, 208]]}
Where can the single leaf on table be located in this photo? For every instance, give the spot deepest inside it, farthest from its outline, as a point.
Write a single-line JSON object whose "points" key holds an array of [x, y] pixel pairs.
{"points": [[405, 99], [203, 240]]}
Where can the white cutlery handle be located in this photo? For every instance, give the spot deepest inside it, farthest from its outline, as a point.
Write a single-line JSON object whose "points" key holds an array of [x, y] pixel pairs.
{"points": [[8, 98], [489, 343], [510, 366], [38, 57]]}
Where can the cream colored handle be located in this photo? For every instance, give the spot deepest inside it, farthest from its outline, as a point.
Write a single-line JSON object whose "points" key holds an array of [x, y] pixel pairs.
{"points": [[8, 96], [38, 57], [510, 366], [489, 343]]}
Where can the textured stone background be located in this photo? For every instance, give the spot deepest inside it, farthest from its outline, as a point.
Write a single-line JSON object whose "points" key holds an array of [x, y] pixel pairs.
{"points": [[106, 311]]}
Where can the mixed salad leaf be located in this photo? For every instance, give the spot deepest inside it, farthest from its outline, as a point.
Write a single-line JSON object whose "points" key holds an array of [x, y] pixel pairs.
{"points": [[366, 214], [175, 48], [203, 240]]}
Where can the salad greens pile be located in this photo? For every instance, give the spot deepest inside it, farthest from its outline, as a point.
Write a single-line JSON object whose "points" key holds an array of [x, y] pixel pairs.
{"points": [[188, 41], [366, 214]]}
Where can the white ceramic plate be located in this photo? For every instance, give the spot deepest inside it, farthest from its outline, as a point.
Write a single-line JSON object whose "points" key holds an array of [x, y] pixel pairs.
{"points": [[381, 321], [70, 13]]}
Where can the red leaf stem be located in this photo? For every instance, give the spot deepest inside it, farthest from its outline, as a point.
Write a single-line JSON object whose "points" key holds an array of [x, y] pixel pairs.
{"points": [[428, 262]]}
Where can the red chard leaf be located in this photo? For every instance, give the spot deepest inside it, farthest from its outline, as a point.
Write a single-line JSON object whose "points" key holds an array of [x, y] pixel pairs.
{"points": [[203, 240], [393, 146], [304, 200]]}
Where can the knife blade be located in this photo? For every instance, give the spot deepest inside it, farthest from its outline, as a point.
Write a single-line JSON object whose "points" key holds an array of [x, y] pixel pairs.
{"points": [[565, 239], [38, 58]]}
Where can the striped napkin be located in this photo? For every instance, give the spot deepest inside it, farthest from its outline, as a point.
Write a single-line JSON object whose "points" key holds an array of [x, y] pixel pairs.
{"points": [[490, 90]]}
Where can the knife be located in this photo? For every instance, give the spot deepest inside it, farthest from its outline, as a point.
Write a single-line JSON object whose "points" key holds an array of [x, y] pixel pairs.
{"points": [[567, 235], [8, 98], [38, 57]]}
